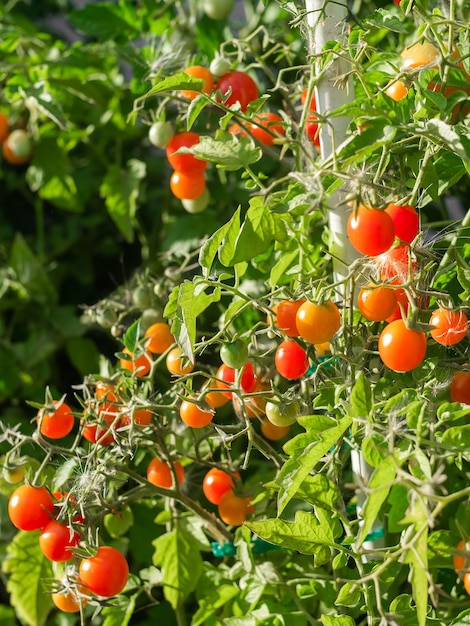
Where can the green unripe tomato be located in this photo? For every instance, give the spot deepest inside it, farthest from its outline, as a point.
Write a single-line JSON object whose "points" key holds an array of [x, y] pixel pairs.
{"points": [[117, 524], [219, 66], [106, 318], [234, 354], [218, 9], [199, 204], [14, 475], [282, 413], [151, 316], [143, 297], [160, 134], [20, 143]]}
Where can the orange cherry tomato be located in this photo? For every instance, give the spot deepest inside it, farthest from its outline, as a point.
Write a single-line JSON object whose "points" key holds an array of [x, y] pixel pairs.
{"points": [[198, 71], [401, 348], [377, 303], [187, 186], [233, 509], [195, 416], [450, 326], [318, 323], [140, 366], [159, 338], [159, 473], [177, 364]]}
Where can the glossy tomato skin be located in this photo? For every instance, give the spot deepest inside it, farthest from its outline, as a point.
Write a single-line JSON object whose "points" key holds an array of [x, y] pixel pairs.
{"points": [[69, 601], [266, 126], [460, 387], [243, 88], [159, 473], [198, 71], [234, 354], [56, 422], [420, 55], [462, 557], [291, 360], [160, 133], [227, 377], [233, 509], [318, 323], [397, 90], [450, 326], [194, 415], [286, 314], [400, 348], [177, 364], [57, 540], [187, 186], [106, 573], [30, 508], [395, 264], [282, 413], [186, 163], [159, 338], [370, 231], [216, 483], [139, 365], [272, 432], [377, 303], [405, 220]]}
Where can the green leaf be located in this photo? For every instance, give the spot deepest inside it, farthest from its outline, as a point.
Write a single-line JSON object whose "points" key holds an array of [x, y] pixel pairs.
{"points": [[196, 106], [7, 616], [306, 450], [226, 250], [279, 269], [319, 490], [417, 557], [177, 82], [27, 568], [120, 190], [131, 337], [368, 141], [349, 595], [177, 554], [375, 450], [306, 534], [46, 103], [441, 549], [361, 397], [231, 152], [463, 274], [121, 612], [398, 500], [106, 21], [401, 606], [382, 18], [210, 248], [30, 273], [458, 438], [462, 619], [378, 488], [214, 598], [340, 620], [451, 137]]}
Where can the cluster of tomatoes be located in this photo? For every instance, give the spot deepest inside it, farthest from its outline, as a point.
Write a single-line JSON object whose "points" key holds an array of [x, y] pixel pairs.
{"points": [[235, 87], [17, 146], [104, 573]]}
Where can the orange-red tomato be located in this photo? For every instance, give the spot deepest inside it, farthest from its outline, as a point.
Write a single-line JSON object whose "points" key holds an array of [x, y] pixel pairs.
{"points": [[159, 473], [312, 129], [57, 421], [318, 323], [198, 71], [227, 376], [106, 391], [450, 326], [30, 508], [177, 364], [405, 220], [377, 303], [216, 483], [4, 127], [195, 416], [466, 582], [141, 417], [108, 416], [461, 558], [233, 509], [460, 387], [401, 348], [215, 399], [187, 186], [265, 127], [370, 231], [420, 55], [159, 338], [286, 316], [313, 102], [71, 601], [241, 86], [106, 573], [291, 360], [57, 541], [140, 365], [17, 147], [186, 163], [397, 90], [273, 432], [396, 264]]}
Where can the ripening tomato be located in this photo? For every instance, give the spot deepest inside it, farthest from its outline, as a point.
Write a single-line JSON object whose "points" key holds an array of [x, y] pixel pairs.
{"points": [[177, 364], [377, 303], [265, 127], [106, 391], [233, 509], [18, 147], [254, 405], [159, 473], [401, 348], [397, 90], [218, 9], [185, 163], [215, 399], [55, 421], [159, 338], [187, 186], [198, 71], [286, 313], [273, 432], [197, 205], [105, 573], [30, 508], [216, 483], [226, 374], [4, 127], [370, 231], [466, 582], [313, 102], [241, 86], [291, 360], [460, 387], [160, 133], [318, 323], [234, 354], [283, 413], [420, 55], [396, 264], [140, 417], [71, 600], [405, 220], [194, 415], [57, 541], [108, 418], [450, 326], [462, 557], [140, 365], [313, 130]]}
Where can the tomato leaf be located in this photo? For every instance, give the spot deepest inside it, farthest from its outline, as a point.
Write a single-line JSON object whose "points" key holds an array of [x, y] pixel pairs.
{"points": [[121, 612], [451, 137], [176, 82], [27, 568], [306, 450], [178, 555], [378, 488], [229, 152], [462, 619], [417, 557], [349, 595], [29, 273], [361, 397], [106, 21], [340, 620]]}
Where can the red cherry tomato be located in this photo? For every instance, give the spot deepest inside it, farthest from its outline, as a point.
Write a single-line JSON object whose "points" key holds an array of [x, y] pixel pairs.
{"points": [[313, 102], [405, 220], [30, 508], [395, 264], [216, 483], [370, 231], [377, 303], [285, 319], [106, 573], [460, 387], [291, 360], [400, 348], [187, 186], [241, 86], [226, 374], [55, 422], [159, 473], [186, 163], [450, 326], [233, 509], [265, 127], [57, 540]]}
